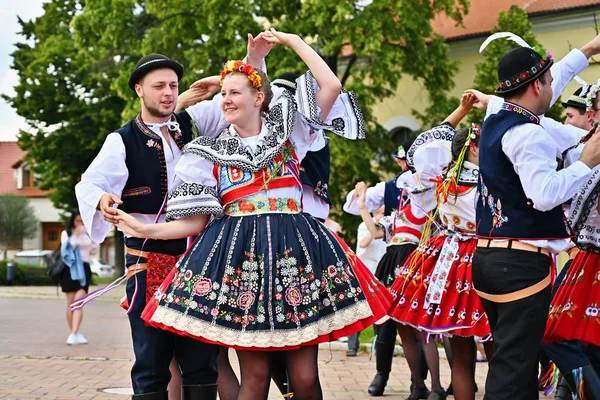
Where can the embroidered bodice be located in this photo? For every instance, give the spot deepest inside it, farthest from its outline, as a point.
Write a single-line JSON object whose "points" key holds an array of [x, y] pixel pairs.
{"points": [[218, 172], [457, 210]]}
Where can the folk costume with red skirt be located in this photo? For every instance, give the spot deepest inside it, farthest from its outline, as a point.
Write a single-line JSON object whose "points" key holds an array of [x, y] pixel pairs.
{"points": [[263, 275], [574, 311], [434, 290]]}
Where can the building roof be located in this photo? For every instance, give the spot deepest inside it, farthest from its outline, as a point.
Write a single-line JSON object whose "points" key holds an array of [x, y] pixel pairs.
{"points": [[483, 15], [10, 155]]}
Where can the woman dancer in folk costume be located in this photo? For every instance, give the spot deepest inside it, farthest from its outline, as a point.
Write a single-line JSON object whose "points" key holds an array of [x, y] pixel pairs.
{"points": [[574, 309], [264, 276], [434, 291]]}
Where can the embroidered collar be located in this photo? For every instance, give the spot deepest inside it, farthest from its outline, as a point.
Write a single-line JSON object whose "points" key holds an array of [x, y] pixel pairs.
{"points": [[469, 174], [228, 149], [507, 106]]}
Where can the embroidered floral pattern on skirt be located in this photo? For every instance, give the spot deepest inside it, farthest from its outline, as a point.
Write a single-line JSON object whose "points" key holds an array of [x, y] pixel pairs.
{"points": [[575, 309], [268, 281]]}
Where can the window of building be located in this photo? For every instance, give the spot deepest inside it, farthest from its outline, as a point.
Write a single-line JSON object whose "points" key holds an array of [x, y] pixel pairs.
{"points": [[29, 178], [400, 135]]}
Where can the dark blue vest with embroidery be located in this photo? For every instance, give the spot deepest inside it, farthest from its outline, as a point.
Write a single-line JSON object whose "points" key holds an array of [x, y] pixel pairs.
{"points": [[391, 196], [503, 209], [147, 185], [315, 169]]}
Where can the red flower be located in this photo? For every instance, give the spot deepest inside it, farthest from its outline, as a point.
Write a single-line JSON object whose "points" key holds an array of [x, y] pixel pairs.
{"points": [[292, 205], [244, 206], [272, 204], [237, 319], [293, 296], [203, 286], [278, 296], [303, 316], [245, 300]]}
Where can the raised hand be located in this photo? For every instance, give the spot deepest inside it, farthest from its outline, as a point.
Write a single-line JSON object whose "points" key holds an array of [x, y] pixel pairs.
{"points": [[195, 95], [129, 225], [360, 191], [210, 84], [481, 99], [467, 100], [258, 48], [106, 206], [279, 37]]}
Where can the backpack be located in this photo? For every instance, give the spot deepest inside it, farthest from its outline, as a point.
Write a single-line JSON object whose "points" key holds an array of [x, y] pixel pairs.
{"points": [[55, 264]]}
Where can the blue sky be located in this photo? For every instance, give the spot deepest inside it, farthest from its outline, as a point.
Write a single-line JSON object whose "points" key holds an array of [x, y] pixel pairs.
{"points": [[10, 122]]}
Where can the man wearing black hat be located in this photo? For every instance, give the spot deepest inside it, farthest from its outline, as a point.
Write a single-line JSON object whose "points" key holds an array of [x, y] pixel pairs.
{"points": [[135, 171], [519, 216]]}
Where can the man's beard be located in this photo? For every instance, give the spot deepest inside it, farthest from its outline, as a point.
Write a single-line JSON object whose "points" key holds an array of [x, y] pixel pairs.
{"points": [[156, 112]]}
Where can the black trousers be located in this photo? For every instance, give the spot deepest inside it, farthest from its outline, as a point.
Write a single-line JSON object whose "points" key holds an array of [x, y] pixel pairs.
{"points": [[517, 326], [154, 348]]}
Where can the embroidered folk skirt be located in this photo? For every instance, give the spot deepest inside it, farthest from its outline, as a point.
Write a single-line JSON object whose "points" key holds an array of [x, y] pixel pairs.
{"points": [[574, 311], [454, 308], [270, 281], [394, 258]]}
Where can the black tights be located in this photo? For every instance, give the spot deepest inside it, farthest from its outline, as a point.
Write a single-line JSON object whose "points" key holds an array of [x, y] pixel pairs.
{"points": [[463, 366], [302, 367]]}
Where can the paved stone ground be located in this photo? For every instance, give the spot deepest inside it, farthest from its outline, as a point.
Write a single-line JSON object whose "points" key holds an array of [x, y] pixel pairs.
{"points": [[35, 362]]}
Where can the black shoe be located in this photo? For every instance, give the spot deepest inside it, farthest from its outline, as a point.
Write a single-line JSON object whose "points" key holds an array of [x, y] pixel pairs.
{"points": [[384, 352], [563, 390], [199, 392], [418, 394], [351, 353], [151, 396]]}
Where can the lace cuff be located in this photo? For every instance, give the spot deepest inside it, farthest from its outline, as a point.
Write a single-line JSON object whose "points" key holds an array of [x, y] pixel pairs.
{"points": [[345, 118], [193, 199]]}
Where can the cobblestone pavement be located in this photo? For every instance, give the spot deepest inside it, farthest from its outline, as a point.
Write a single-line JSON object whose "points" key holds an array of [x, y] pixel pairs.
{"points": [[35, 362]]}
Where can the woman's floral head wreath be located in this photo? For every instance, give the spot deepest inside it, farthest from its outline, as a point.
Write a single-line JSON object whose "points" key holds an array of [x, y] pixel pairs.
{"points": [[246, 69]]}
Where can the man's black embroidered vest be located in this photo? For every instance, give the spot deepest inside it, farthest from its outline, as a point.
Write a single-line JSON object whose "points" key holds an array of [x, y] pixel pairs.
{"points": [[147, 185]]}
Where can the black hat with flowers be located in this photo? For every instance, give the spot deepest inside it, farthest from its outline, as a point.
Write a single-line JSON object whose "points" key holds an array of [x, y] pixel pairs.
{"points": [[521, 66], [151, 62]]}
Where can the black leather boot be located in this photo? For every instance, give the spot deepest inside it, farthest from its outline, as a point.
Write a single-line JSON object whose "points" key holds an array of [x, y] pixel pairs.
{"points": [[151, 396], [199, 392], [563, 389], [384, 353]]}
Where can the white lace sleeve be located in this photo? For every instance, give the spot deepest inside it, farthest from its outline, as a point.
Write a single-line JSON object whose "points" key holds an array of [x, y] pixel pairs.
{"points": [[197, 194]]}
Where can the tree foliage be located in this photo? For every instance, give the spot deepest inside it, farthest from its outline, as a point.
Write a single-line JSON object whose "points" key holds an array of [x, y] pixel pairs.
{"points": [[17, 220], [75, 61], [514, 20]]}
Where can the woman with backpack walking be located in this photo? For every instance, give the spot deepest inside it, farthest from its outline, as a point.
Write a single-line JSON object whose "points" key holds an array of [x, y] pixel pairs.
{"points": [[76, 249]]}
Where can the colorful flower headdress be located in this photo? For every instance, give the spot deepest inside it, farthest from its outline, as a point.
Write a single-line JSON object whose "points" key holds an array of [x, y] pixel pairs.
{"points": [[246, 69]]}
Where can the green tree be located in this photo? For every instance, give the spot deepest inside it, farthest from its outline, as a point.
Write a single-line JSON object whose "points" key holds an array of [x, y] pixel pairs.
{"points": [[17, 220], [76, 59], [514, 20]]}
